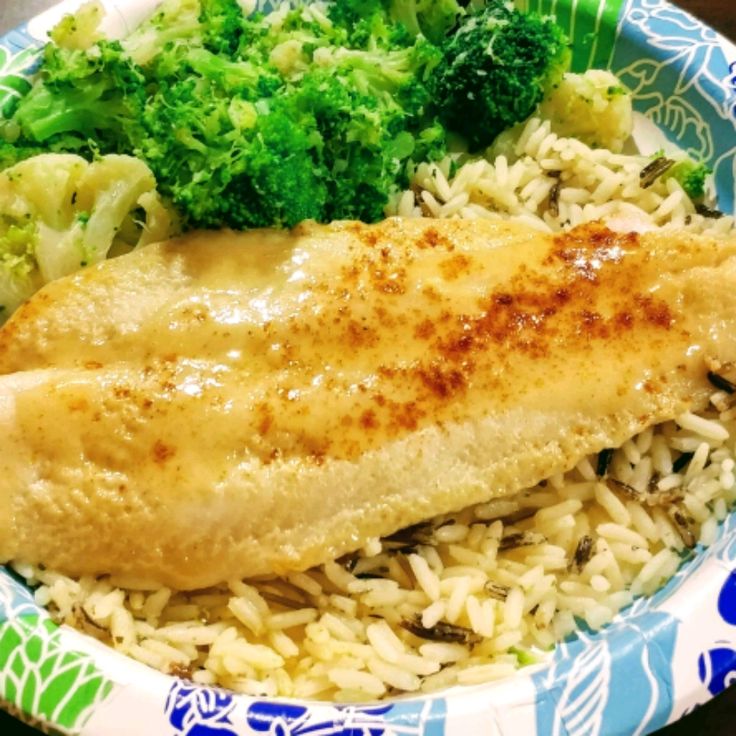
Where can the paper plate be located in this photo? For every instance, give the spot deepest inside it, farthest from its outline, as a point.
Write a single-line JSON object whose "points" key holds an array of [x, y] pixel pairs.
{"points": [[660, 658]]}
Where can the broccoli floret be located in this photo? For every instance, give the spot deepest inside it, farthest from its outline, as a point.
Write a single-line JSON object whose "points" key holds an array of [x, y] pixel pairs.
{"points": [[432, 18], [83, 94], [257, 121], [58, 212], [11, 153], [691, 175], [363, 21], [79, 30], [497, 67], [261, 174], [222, 26], [174, 22]]}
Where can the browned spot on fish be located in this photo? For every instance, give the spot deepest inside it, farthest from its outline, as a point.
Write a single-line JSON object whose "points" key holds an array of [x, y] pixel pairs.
{"points": [[265, 418], [424, 330], [656, 312], [360, 335], [431, 238], [432, 294], [121, 392], [389, 282], [368, 419], [455, 267], [442, 382], [162, 452]]}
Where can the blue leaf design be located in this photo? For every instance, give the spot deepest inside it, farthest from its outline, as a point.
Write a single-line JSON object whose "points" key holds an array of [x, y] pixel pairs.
{"points": [[678, 71], [199, 711], [727, 600], [262, 715], [15, 598], [424, 717], [717, 669], [615, 681]]}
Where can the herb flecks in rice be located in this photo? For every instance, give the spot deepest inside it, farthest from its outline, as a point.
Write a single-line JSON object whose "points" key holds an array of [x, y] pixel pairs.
{"points": [[583, 552], [604, 462], [651, 172], [721, 382], [624, 488], [709, 212], [553, 183], [441, 632]]}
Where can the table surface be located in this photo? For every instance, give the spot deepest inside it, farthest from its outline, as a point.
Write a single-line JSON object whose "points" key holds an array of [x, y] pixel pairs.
{"points": [[717, 717]]}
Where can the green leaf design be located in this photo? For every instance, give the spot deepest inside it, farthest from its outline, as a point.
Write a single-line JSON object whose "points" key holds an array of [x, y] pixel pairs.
{"points": [[590, 23], [43, 678], [14, 71]]}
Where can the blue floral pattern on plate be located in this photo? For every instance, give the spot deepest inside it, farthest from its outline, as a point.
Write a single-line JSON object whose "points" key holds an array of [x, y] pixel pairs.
{"points": [[682, 79], [199, 711], [612, 682]]}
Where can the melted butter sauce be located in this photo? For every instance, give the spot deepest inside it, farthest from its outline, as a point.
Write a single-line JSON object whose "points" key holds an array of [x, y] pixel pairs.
{"points": [[333, 341], [406, 335]]}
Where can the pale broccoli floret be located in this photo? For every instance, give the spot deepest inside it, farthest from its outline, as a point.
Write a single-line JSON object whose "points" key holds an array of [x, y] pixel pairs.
{"points": [[175, 21], [593, 107], [80, 30], [19, 277], [59, 213]]}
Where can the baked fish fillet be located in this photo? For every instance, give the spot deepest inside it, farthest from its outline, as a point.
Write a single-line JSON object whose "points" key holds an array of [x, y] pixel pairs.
{"points": [[227, 405]]}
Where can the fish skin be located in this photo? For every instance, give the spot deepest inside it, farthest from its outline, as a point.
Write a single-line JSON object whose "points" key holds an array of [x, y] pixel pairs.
{"points": [[229, 405]]}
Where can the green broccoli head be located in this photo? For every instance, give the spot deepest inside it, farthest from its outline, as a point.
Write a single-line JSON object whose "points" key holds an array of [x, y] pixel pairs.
{"points": [[692, 176], [222, 26], [497, 67], [11, 153], [97, 93], [251, 121], [232, 161], [431, 18]]}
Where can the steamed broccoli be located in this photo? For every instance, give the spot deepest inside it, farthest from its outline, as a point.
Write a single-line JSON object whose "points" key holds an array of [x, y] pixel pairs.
{"points": [[318, 110], [432, 18], [18, 279], [497, 67], [97, 94]]}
